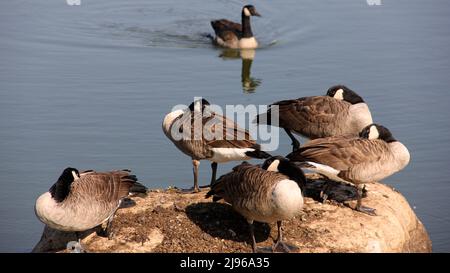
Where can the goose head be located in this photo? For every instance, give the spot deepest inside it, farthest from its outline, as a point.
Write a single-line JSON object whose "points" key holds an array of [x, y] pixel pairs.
{"points": [[249, 10], [61, 188], [285, 166], [376, 131], [342, 92], [198, 104]]}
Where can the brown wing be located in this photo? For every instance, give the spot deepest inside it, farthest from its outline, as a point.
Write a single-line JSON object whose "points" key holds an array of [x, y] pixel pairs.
{"points": [[341, 153], [108, 187], [233, 135], [311, 116], [96, 196], [227, 30], [243, 187], [216, 131]]}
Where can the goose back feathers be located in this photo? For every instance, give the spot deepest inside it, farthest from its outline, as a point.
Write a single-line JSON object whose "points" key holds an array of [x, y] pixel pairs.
{"points": [[259, 194], [340, 112], [215, 137], [202, 134]]}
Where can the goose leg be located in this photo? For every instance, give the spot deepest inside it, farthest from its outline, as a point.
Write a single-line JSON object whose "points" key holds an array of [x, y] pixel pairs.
{"points": [[324, 191], [214, 172], [106, 232], [195, 163], [280, 245], [359, 206], [295, 142], [254, 247], [108, 228], [252, 234]]}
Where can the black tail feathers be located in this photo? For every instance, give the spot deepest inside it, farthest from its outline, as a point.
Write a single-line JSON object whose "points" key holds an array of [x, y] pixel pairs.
{"points": [[138, 188], [264, 118], [258, 154], [208, 36]]}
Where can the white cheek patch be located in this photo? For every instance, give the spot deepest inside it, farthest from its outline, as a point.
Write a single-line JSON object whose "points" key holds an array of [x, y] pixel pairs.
{"points": [[198, 106], [373, 133], [274, 166], [75, 176], [247, 12], [339, 95]]}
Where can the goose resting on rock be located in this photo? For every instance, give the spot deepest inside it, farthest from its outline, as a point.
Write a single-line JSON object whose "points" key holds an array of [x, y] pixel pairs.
{"points": [[81, 201], [371, 157]]}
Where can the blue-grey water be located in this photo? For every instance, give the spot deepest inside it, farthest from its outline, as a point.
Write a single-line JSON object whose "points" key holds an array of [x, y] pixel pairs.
{"points": [[87, 86]]}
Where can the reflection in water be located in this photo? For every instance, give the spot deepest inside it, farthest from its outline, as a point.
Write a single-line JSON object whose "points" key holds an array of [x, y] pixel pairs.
{"points": [[249, 84]]}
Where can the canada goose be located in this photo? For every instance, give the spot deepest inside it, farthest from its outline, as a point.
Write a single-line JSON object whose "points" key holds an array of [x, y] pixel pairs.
{"points": [[201, 142], [271, 193], [234, 35], [372, 156], [81, 201], [340, 112]]}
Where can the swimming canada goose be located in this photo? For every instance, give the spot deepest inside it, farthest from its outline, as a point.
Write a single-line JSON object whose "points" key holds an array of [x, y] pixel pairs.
{"points": [[201, 140], [233, 35], [340, 112], [271, 193], [372, 156], [81, 201]]}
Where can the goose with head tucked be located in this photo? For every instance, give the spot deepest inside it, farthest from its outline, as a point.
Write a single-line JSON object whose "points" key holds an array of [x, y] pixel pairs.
{"points": [[268, 193], [81, 201], [233, 35], [201, 134], [340, 112], [373, 156]]}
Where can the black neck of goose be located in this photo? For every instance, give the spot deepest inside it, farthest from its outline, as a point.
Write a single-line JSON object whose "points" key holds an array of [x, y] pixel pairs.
{"points": [[300, 181], [246, 28], [294, 173], [60, 190]]}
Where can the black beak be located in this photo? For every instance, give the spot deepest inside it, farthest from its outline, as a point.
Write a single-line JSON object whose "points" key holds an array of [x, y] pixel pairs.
{"points": [[255, 13]]}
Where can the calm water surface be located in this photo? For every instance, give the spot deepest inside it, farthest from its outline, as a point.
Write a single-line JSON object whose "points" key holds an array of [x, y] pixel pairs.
{"points": [[87, 86]]}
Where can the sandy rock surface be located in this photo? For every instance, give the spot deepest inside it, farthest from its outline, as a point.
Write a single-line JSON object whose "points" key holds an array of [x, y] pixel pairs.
{"points": [[171, 221]]}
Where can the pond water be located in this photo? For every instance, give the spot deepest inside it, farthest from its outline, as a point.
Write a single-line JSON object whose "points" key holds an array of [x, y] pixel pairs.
{"points": [[88, 86]]}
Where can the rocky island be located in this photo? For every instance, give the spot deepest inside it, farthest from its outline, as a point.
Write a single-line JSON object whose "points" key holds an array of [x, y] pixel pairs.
{"points": [[171, 221]]}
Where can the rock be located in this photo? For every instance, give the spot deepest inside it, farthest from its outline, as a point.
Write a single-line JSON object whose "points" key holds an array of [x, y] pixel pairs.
{"points": [[169, 221]]}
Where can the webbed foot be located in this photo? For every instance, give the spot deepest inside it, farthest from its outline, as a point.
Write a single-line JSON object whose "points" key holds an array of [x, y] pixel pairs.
{"points": [[284, 247]]}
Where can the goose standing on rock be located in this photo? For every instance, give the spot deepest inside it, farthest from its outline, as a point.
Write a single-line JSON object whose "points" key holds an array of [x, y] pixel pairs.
{"points": [[340, 112], [81, 201], [271, 193], [233, 35], [215, 138], [371, 157]]}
